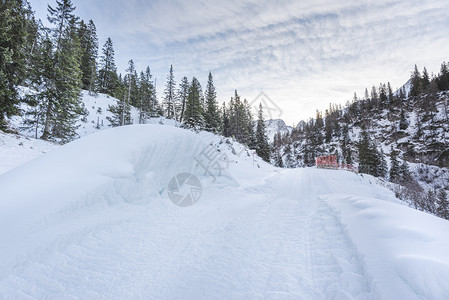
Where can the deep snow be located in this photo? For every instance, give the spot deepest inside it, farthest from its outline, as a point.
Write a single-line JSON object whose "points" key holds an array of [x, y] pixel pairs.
{"points": [[92, 219]]}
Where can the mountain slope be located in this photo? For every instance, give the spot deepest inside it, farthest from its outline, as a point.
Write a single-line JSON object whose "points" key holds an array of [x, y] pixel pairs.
{"points": [[95, 221]]}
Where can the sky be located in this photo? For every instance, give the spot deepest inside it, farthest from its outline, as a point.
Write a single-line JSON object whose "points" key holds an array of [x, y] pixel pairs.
{"points": [[302, 55]]}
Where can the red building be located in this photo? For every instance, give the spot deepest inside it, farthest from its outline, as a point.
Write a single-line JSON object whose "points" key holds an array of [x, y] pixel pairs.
{"points": [[328, 161]]}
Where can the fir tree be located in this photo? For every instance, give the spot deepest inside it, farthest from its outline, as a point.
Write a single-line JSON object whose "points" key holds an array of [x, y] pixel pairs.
{"points": [[194, 110], [130, 81], [147, 107], [63, 100], [169, 98], [262, 146], [13, 35], [225, 130], [405, 175], [443, 204], [211, 114], [107, 75], [183, 92], [89, 52], [403, 123], [395, 175], [416, 83], [289, 157]]}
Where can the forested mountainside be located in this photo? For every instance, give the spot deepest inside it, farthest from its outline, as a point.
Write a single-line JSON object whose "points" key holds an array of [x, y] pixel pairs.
{"points": [[400, 136]]}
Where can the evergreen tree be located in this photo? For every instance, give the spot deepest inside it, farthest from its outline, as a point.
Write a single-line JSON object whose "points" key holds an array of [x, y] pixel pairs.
{"points": [[89, 52], [147, 107], [403, 123], [183, 92], [369, 158], [41, 80], [63, 100], [107, 75], [194, 110], [443, 204], [405, 175], [262, 146], [289, 157], [443, 77], [211, 114], [169, 98], [278, 159], [13, 36], [225, 130], [416, 83], [382, 168], [345, 147], [395, 175], [130, 81], [425, 80], [121, 113]]}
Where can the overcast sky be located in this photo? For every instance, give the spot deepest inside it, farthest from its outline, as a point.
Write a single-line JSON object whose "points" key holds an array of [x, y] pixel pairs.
{"points": [[302, 54]]}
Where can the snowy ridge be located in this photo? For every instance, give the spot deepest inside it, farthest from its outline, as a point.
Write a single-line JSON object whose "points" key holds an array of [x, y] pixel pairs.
{"points": [[98, 223], [274, 126]]}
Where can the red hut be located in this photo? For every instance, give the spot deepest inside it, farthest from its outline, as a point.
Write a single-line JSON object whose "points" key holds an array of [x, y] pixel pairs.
{"points": [[328, 161]]}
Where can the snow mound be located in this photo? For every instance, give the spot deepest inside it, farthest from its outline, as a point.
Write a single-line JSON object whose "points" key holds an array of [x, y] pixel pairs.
{"points": [[93, 219]]}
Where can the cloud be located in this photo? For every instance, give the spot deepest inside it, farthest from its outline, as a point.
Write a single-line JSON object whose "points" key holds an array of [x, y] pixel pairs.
{"points": [[303, 54]]}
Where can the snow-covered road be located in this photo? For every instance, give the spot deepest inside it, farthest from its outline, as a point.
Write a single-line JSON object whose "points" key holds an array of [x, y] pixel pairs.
{"points": [[277, 234]]}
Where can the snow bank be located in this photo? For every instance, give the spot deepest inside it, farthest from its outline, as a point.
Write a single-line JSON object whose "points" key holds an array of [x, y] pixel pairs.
{"points": [[92, 219], [405, 250]]}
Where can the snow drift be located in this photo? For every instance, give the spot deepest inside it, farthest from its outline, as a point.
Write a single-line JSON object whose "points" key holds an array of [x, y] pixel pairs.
{"points": [[92, 219]]}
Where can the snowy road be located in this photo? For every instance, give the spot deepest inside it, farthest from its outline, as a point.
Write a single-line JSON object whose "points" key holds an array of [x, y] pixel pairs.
{"points": [[278, 234]]}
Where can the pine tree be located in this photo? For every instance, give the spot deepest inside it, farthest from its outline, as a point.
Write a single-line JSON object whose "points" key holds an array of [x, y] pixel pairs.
{"points": [[13, 35], [262, 146], [345, 147], [147, 107], [382, 168], [416, 83], [130, 81], [289, 157], [183, 92], [194, 110], [41, 83], [225, 130], [278, 159], [169, 98], [443, 204], [425, 80], [107, 75], [403, 123], [405, 176], [64, 104], [211, 114], [89, 52], [395, 175], [121, 113], [368, 158]]}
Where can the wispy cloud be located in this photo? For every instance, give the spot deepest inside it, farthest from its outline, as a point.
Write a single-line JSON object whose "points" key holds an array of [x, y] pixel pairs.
{"points": [[304, 54]]}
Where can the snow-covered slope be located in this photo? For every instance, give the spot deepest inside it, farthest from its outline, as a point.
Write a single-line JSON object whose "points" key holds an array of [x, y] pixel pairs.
{"points": [[16, 149], [93, 219]]}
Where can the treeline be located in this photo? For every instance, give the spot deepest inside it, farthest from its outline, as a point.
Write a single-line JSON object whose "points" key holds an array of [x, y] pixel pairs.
{"points": [[350, 133], [55, 63]]}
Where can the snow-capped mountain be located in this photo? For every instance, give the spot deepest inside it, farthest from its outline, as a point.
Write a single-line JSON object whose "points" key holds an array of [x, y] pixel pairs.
{"points": [[274, 126]]}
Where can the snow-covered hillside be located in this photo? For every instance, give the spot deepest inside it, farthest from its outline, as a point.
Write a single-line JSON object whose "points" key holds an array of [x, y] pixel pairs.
{"points": [[16, 149], [94, 219]]}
